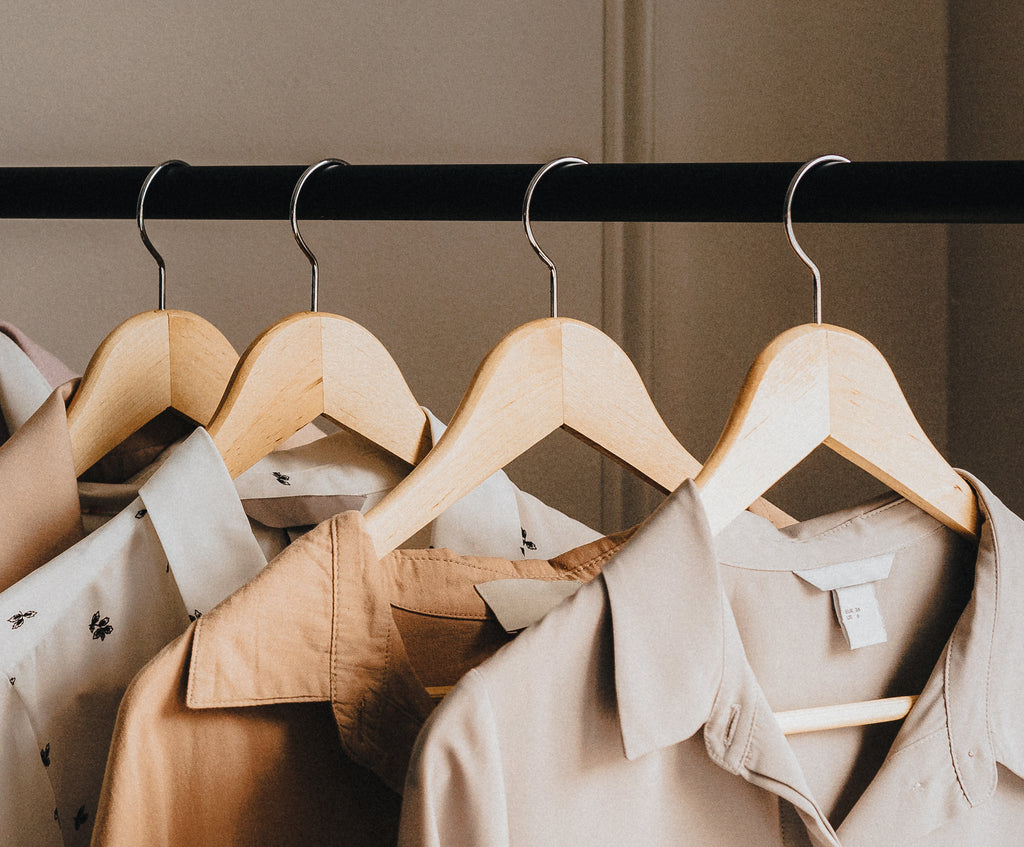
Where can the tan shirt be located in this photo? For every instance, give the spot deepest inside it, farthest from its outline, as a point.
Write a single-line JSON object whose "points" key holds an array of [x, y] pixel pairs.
{"points": [[641, 711], [287, 714]]}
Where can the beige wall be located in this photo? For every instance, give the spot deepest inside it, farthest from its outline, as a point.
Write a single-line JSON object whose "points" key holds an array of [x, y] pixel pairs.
{"points": [[987, 261], [740, 81], [272, 83], [495, 82]]}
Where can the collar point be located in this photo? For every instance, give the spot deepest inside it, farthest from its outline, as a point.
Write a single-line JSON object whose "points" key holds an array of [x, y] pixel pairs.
{"points": [[638, 742]]}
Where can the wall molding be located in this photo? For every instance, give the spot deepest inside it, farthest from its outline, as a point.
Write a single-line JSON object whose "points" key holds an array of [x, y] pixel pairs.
{"points": [[628, 248]]}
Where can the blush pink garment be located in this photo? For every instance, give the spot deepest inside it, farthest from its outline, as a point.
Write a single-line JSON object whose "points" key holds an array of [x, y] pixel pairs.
{"points": [[52, 368]]}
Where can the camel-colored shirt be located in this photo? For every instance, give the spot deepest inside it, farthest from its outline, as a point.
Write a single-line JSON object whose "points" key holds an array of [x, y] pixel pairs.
{"points": [[287, 714]]}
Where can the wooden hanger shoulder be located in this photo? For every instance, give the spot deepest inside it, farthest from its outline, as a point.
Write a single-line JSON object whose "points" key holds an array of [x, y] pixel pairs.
{"points": [[546, 374], [826, 385], [872, 426], [151, 362], [310, 364], [609, 407]]}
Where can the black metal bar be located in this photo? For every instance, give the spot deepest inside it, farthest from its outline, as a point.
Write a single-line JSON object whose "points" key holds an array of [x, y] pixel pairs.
{"points": [[863, 192]]}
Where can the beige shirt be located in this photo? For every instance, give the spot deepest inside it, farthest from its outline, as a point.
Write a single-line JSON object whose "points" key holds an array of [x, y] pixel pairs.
{"points": [[287, 714], [641, 711]]}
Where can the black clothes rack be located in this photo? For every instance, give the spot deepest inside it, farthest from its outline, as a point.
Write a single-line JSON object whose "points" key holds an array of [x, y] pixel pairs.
{"points": [[861, 192]]}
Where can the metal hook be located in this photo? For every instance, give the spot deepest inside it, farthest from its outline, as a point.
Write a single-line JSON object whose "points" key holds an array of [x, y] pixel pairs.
{"points": [[293, 215], [140, 220], [565, 160], [789, 226]]}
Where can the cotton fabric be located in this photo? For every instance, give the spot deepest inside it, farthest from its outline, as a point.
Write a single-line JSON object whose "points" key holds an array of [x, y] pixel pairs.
{"points": [[23, 387], [641, 711], [44, 510], [290, 491], [287, 714], [75, 631], [52, 369]]}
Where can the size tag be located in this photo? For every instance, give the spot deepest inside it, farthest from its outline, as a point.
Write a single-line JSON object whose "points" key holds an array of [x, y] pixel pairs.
{"points": [[853, 596], [859, 615], [517, 603]]}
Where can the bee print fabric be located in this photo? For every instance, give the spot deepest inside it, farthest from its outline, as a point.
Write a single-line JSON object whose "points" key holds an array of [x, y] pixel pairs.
{"points": [[76, 630]]}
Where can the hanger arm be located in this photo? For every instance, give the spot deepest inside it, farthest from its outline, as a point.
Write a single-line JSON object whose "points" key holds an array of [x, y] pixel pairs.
{"points": [[513, 401], [826, 385], [821, 384], [151, 362], [310, 364], [618, 421], [546, 374], [818, 718]]}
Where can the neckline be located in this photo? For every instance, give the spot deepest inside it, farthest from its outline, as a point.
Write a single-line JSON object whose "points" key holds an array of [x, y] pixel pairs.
{"points": [[951, 738], [884, 524]]}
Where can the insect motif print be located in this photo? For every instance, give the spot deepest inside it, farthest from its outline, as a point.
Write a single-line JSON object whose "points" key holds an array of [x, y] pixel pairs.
{"points": [[18, 619], [100, 627], [282, 478], [527, 544], [44, 754], [195, 615], [81, 816], [139, 515]]}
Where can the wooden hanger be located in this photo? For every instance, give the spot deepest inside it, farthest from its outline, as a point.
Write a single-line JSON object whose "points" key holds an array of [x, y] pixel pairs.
{"points": [[820, 384], [158, 360], [311, 364], [550, 373]]}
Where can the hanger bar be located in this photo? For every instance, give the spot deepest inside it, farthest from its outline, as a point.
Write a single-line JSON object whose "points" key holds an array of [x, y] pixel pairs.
{"points": [[749, 192]]}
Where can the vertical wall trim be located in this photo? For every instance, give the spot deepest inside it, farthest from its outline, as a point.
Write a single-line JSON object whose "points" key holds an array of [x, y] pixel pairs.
{"points": [[628, 261]]}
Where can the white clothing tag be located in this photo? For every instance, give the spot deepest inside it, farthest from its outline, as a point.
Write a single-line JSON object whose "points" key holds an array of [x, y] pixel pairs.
{"points": [[854, 597], [517, 603], [860, 615]]}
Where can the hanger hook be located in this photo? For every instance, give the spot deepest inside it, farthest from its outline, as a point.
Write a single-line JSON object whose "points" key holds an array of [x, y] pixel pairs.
{"points": [[293, 215], [527, 200], [141, 221], [789, 225]]}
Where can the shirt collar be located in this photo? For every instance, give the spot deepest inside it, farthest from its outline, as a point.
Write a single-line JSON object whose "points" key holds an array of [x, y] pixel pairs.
{"points": [[966, 721], [201, 541], [53, 370], [191, 501], [39, 506], [665, 695], [317, 625], [22, 387], [343, 472], [984, 684]]}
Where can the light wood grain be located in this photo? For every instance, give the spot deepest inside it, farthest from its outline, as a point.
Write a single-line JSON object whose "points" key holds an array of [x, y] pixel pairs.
{"points": [[849, 714], [310, 364], [816, 719], [158, 360], [550, 373], [826, 385]]}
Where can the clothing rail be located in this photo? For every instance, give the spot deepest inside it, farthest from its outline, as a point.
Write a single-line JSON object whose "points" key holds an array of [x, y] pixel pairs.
{"points": [[862, 192]]}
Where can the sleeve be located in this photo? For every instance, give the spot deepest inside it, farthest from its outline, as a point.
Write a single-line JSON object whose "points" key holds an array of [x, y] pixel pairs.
{"points": [[455, 788], [27, 804]]}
